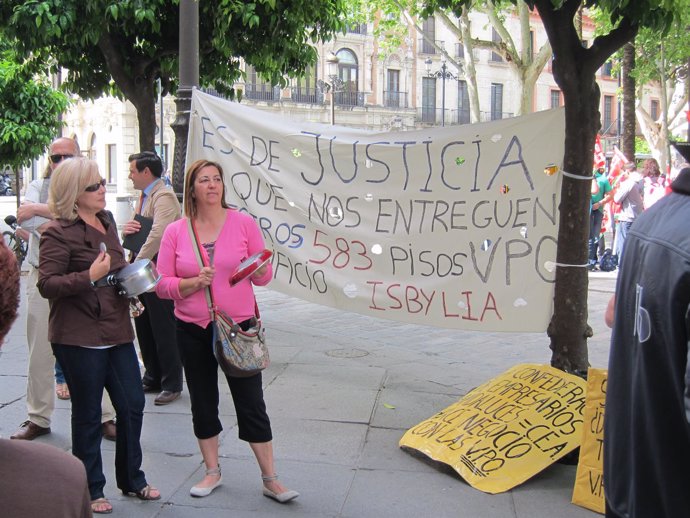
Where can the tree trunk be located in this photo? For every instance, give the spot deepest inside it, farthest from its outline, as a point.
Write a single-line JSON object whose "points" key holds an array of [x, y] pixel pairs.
{"points": [[526, 94], [146, 113], [651, 131], [574, 69], [137, 81], [568, 329], [470, 72], [144, 100], [664, 162], [687, 91], [628, 83]]}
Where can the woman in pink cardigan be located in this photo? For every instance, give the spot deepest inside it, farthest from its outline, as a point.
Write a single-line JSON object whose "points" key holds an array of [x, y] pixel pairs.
{"points": [[227, 237]]}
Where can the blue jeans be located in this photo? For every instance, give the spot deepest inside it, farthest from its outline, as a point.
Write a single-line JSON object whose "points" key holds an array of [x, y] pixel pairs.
{"points": [[621, 235], [88, 371], [595, 219], [59, 375]]}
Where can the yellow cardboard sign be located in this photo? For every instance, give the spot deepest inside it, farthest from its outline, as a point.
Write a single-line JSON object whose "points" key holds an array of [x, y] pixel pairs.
{"points": [[508, 429], [589, 479]]}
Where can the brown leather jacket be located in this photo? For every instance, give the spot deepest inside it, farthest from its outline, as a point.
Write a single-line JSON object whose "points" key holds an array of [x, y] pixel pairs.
{"points": [[79, 313]]}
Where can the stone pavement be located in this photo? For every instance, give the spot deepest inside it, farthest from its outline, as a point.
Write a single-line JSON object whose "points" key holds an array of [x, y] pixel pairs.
{"points": [[329, 389]]}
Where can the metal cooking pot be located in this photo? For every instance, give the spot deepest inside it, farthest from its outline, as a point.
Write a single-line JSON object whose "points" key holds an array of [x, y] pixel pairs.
{"points": [[134, 279]]}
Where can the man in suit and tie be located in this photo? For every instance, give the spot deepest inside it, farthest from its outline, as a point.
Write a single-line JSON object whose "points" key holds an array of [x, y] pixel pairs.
{"points": [[156, 325]]}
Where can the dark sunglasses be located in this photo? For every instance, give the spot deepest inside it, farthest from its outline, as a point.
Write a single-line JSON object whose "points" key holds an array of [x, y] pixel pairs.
{"points": [[56, 159], [94, 187]]}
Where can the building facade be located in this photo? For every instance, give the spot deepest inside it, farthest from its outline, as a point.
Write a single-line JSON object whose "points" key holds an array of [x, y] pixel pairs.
{"points": [[365, 87]]}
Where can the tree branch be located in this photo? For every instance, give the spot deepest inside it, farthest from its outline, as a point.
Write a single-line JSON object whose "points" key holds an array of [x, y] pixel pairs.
{"points": [[116, 65], [506, 48], [604, 46]]}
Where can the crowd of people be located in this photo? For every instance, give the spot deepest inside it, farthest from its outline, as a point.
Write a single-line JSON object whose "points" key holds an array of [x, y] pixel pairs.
{"points": [[86, 324], [618, 198]]}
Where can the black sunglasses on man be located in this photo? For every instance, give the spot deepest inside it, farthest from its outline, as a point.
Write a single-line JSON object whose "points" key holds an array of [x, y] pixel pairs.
{"points": [[56, 159]]}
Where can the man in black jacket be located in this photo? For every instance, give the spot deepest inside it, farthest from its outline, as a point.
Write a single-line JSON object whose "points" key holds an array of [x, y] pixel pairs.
{"points": [[647, 425]]}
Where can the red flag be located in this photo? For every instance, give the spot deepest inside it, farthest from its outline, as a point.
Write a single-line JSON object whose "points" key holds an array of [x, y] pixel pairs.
{"points": [[616, 167], [599, 157]]}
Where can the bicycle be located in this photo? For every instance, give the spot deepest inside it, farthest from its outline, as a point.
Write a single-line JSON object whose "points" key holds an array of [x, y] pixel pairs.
{"points": [[14, 242]]}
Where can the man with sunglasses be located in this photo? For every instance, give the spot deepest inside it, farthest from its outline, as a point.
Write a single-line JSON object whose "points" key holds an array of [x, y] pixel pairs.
{"points": [[156, 325], [33, 215]]}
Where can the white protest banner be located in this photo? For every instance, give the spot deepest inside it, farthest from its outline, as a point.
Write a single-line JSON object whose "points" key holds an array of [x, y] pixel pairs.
{"points": [[450, 227]]}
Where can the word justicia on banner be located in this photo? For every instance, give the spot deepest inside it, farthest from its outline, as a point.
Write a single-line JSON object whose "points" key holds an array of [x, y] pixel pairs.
{"points": [[450, 227]]}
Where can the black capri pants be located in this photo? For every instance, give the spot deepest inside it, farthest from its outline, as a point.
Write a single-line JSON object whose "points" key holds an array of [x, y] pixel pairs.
{"points": [[201, 372]]}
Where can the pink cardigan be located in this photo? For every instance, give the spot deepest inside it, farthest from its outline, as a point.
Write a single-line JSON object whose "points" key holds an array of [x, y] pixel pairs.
{"points": [[239, 238]]}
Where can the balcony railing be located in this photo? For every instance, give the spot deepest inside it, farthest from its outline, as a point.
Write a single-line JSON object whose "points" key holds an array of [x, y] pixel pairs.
{"points": [[360, 28], [426, 47], [261, 92], [306, 95], [494, 116], [454, 116], [460, 53], [349, 98], [609, 126], [392, 99]]}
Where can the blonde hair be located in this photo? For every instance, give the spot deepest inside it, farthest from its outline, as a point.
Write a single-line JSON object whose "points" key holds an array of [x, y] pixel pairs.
{"points": [[67, 183]]}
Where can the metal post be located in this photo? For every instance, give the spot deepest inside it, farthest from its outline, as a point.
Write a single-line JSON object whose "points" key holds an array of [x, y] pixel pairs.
{"points": [[332, 64], [333, 101], [160, 126], [444, 74], [619, 122], [189, 78], [443, 94]]}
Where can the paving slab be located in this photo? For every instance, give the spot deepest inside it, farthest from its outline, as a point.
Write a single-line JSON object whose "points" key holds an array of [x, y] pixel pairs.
{"points": [[341, 391]]}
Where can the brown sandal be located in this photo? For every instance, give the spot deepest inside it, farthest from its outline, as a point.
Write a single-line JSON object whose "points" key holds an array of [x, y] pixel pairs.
{"points": [[101, 506], [144, 493]]}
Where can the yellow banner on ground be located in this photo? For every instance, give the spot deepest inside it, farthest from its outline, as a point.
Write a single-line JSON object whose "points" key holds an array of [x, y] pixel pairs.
{"points": [[508, 429], [589, 480]]}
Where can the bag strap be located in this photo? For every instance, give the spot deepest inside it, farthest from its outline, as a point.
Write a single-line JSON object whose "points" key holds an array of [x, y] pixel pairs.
{"points": [[200, 261]]}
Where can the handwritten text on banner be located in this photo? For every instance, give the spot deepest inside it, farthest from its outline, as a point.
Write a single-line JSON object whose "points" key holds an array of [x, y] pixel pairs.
{"points": [[508, 429], [451, 227]]}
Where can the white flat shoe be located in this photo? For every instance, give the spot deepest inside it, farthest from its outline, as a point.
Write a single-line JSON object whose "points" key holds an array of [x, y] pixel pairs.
{"points": [[283, 497], [200, 492]]}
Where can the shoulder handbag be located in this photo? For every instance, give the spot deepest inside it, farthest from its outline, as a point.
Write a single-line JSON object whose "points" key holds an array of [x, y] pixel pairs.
{"points": [[240, 353]]}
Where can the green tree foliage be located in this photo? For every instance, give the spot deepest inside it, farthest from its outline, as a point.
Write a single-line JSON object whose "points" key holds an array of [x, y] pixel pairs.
{"points": [[122, 47], [31, 108], [669, 68], [661, 57], [574, 69]]}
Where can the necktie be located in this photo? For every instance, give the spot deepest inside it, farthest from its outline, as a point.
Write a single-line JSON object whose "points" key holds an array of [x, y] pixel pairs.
{"points": [[142, 198]]}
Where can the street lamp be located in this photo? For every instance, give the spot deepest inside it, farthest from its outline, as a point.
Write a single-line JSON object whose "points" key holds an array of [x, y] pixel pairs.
{"points": [[332, 65], [188, 79], [444, 74], [335, 84]]}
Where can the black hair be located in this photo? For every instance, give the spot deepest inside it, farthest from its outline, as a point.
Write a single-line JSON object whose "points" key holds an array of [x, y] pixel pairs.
{"points": [[148, 159]]}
